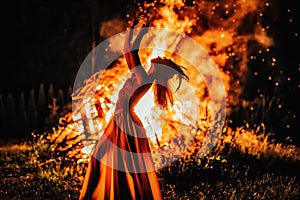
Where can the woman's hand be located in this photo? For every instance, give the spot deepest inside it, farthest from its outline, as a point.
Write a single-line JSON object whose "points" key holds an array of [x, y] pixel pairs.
{"points": [[143, 29], [136, 23], [131, 48]]}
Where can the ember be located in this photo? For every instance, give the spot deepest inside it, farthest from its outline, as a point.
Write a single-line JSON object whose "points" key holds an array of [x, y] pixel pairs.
{"points": [[94, 102]]}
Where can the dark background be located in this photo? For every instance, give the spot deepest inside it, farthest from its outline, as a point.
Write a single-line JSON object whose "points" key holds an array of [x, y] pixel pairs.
{"points": [[46, 41]]}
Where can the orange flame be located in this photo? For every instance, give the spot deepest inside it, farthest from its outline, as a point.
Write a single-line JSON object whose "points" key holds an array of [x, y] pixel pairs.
{"points": [[223, 43]]}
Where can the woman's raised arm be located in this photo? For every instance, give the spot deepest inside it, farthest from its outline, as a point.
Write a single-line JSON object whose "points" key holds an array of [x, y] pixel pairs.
{"points": [[131, 50]]}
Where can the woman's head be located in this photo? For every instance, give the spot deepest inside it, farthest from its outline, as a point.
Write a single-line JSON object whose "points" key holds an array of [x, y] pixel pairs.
{"points": [[163, 69]]}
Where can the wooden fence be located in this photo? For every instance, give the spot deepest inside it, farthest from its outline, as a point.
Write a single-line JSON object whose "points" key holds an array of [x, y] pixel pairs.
{"points": [[20, 116]]}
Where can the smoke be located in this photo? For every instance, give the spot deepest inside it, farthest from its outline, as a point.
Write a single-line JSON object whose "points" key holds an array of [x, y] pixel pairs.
{"points": [[111, 27]]}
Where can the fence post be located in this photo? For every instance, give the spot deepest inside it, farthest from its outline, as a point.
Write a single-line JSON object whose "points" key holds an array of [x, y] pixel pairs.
{"points": [[70, 91], [41, 98], [32, 112], [60, 98], [41, 108], [22, 116], [2, 114], [11, 118], [50, 94]]}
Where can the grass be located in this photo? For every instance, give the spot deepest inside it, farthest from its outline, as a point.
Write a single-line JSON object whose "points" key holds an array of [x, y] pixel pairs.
{"points": [[243, 165], [23, 177]]}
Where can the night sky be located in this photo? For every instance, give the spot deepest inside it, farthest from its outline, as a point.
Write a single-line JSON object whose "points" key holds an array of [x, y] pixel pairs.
{"points": [[46, 41]]}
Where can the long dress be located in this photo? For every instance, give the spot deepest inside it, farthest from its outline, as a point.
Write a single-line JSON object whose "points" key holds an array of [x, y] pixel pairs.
{"points": [[121, 166]]}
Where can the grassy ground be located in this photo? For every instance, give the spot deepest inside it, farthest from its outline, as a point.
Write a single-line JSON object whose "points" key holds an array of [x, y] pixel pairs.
{"points": [[261, 170]]}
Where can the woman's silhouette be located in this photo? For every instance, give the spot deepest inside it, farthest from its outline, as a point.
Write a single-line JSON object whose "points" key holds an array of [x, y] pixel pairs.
{"points": [[121, 167]]}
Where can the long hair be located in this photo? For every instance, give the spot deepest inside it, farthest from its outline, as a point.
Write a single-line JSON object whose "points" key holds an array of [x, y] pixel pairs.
{"points": [[163, 95]]}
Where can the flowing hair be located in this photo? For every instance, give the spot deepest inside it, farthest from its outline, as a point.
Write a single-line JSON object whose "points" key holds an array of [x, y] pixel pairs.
{"points": [[163, 95]]}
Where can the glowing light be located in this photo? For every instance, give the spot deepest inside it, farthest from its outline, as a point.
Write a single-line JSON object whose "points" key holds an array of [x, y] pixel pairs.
{"points": [[87, 149], [98, 87], [215, 41]]}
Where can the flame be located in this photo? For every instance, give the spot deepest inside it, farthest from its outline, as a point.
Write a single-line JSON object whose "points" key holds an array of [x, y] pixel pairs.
{"points": [[221, 38]]}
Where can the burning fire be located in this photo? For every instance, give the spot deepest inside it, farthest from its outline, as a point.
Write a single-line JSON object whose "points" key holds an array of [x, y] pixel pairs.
{"points": [[222, 40]]}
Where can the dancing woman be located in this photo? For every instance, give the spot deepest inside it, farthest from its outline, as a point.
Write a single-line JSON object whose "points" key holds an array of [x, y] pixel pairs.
{"points": [[121, 166]]}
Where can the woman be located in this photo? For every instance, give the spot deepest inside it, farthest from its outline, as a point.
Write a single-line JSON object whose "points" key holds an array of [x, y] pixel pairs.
{"points": [[121, 166]]}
